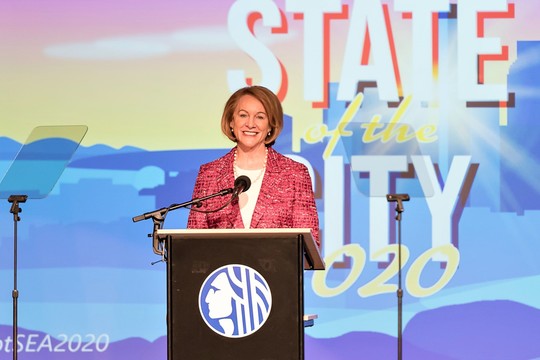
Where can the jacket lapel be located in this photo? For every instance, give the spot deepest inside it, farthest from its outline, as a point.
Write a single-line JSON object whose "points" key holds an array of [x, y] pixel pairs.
{"points": [[268, 187], [226, 180]]}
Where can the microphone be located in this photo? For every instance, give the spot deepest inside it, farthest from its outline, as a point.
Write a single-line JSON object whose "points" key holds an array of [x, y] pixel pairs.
{"points": [[241, 184]]}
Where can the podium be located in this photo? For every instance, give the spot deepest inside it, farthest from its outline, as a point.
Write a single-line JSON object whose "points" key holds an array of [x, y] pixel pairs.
{"points": [[237, 293]]}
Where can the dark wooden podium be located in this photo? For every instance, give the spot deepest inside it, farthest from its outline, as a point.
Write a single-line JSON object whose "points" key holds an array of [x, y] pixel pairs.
{"points": [[237, 294]]}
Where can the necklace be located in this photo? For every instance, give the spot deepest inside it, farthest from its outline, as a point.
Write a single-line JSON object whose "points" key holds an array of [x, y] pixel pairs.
{"points": [[235, 167]]}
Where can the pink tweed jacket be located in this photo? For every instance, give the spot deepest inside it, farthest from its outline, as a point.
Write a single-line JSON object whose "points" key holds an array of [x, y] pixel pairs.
{"points": [[286, 198]]}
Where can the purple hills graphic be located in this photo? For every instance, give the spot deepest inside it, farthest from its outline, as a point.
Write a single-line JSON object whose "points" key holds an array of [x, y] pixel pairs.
{"points": [[484, 330], [494, 330], [498, 329]]}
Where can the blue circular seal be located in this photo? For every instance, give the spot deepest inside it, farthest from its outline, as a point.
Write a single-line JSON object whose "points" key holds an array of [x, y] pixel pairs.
{"points": [[235, 301]]}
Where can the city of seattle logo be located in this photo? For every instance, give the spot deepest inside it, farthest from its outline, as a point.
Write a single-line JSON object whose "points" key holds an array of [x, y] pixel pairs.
{"points": [[235, 301]]}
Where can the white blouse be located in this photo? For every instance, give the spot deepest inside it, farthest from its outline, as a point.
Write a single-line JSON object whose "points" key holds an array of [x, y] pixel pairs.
{"points": [[248, 199]]}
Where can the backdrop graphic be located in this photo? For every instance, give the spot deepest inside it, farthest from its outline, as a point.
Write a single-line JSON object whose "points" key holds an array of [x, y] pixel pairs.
{"points": [[437, 99]]}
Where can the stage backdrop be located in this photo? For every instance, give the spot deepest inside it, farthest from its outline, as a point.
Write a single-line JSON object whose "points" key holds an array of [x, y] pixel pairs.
{"points": [[435, 99]]}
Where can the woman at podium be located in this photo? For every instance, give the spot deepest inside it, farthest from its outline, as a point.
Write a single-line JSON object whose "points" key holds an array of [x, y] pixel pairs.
{"points": [[279, 192]]}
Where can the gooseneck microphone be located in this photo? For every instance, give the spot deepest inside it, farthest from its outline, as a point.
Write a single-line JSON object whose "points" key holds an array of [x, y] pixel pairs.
{"points": [[241, 184]]}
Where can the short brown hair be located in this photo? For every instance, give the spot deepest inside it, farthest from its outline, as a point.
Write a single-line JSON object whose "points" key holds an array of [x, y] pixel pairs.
{"points": [[271, 104]]}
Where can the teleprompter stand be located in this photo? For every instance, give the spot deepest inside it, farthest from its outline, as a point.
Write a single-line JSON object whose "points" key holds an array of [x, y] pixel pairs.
{"points": [[34, 172], [398, 199], [15, 200]]}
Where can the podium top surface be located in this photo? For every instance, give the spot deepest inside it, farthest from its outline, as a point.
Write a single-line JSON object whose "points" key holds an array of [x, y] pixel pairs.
{"points": [[270, 233], [313, 256]]}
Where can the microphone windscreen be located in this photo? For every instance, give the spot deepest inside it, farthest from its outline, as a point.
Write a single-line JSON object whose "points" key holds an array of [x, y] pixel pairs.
{"points": [[242, 182]]}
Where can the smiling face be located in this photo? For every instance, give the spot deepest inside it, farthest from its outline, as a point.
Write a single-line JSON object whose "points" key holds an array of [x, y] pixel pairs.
{"points": [[272, 109], [250, 123]]}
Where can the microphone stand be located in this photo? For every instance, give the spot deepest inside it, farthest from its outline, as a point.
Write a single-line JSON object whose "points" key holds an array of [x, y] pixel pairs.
{"points": [[15, 210], [399, 198], [399, 210], [158, 217]]}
